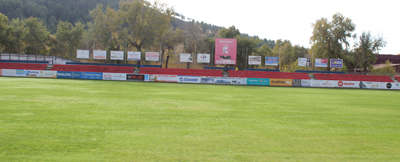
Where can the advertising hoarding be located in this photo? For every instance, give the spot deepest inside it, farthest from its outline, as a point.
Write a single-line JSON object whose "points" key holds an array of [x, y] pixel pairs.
{"points": [[117, 55], [335, 83], [1, 72], [303, 62], [379, 85], [321, 62], [258, 81], [135, 56], [68, 75], [135, 77], [188, 79], [114, 76], [82, 54], [254, 60], [296, 83], [281, 82], [91, 75], [186, 57], [225, 51], [203, 58], [152, 56], [224, 80], [47, 74], [272, 61], [336, 63], [99, 55], [9, 72], [163, 78], [305, 83]]}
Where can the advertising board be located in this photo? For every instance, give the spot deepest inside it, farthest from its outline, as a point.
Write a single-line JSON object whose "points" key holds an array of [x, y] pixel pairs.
{"points": [[379, 85], [1, 72], [83, 54], [281, 82], [186, 57], [117, 55], [68, 75], [9, 72], [134, 55], [225, 51], [335, 83], [188, 79], [114, 76], [272, 61], [91, 75], [254, 60], [163, 78], [135, 77], [203, 58], [305, 83], [321, 62], [296, 83], [258, 81], [303, 62], [224, 80], [336, 63], [152, 56], [99, 54], [47, 74]]}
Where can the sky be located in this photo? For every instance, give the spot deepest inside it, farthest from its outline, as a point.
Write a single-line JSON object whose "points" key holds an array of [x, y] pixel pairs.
{"points": [[292, 19]]}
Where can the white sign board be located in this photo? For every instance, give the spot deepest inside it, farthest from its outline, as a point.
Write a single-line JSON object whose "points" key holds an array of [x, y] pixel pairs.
{"points": [[99, 54], [303, 62], [133, 55], [163, 78], [335, 83], [203, 58], [254, 60], [117, 55], [114, 76], [186, 57], [83, 54], [152, 56]]}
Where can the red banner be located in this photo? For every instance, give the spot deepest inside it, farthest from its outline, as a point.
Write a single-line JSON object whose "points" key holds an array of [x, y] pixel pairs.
{"points": [[225, 51]]}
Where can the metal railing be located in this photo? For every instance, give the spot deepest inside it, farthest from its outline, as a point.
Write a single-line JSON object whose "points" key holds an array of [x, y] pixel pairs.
{"points": [[27, 57]]}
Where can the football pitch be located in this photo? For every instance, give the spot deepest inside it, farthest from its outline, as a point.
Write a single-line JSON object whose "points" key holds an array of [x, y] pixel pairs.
{"points": [[87, 120]]}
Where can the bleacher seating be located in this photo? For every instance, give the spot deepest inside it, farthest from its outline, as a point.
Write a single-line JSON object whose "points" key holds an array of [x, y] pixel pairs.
{"points": [[91, 68], [23, 66], [188, 72], [397, 77], [261, 74], [371, 78]]}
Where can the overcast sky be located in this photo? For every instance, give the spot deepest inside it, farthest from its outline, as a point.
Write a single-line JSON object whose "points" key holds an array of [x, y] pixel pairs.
{"points": [[292, 19]]}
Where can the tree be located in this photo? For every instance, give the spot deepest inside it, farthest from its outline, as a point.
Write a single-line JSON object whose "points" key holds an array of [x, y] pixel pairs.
{"points": [[387, 69], [329, 37], [5, 30], [17, 33], [365, 48], [36, 37], [68, 39], [168, 41], [231, 32]]}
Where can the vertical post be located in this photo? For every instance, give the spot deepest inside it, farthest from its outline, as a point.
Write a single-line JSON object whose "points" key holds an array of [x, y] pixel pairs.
{"points": [[94, 44], [195, 54], [160, 56], [125, 53], [213, 56], [279, 59], [247, 59]]}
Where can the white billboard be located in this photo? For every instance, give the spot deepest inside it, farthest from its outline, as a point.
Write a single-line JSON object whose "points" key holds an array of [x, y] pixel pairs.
{"points": [[83, 54], [379, 85], [335, 83], [186, 57], [99, 54], [114, 76], [152, 56], [254, 60], [303, 62], [133, 55], [203, 58], [117, 55]]}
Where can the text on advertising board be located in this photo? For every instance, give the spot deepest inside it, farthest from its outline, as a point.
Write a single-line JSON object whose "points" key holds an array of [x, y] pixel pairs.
{"points": [[135, 77]]}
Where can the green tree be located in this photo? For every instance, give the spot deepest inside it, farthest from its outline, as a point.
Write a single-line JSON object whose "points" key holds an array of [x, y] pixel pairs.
{"points": [[387, 69], [36, 38], [17, 34], [231, 32], [329, 37], [365, 49], [68, 39], [5, 30], [168, 41]]}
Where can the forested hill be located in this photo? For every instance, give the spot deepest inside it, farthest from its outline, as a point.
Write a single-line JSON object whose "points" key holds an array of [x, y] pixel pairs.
{"points": [[51, 11]]}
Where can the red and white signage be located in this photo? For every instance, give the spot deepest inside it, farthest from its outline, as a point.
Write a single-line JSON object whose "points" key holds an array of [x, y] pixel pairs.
{"points": [[152, 56], [225, 51], [99, 55], [83, 54], [114, 76], [335, 83]]}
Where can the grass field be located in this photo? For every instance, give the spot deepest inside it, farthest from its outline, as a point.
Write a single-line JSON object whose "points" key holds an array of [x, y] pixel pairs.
{"points": [[84, 120]]}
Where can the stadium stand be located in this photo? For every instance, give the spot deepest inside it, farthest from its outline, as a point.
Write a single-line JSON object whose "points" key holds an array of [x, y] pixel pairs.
{"points": [[397, 77], [23, 66], [91, 68], [187, 72], [371, 78], [261, 74]]}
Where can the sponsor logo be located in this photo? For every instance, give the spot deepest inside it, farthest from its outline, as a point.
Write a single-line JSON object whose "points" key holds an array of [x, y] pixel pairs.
{"points": [[135, 77], [341, 83], [389, 85], [188, 79]]}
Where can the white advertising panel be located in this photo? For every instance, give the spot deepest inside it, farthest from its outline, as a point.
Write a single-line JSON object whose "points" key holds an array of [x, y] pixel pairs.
{"points": [[303, 62], [83, 54], [99, 54], [203, 58], [188, 79], [254, 60], [152, 56], [47, 74], [335, 83], [186, 57], [117, 55], [9, 72], [163, 78], [224, 80], [379, 85], [114, 76], [133, 55], [305, 83]]}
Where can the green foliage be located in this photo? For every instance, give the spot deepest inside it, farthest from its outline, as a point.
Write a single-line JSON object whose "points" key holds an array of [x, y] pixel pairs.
{"points": [[68, 39], [231, 32], [292, 67], [387, 69], [363, 55], [36, 38]]}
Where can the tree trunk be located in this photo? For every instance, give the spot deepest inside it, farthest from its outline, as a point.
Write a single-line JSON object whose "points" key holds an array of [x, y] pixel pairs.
{"points": [[166, 62]]}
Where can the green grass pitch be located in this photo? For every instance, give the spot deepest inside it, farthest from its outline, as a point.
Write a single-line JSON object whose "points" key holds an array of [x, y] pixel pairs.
{"points": [[86, 120]]}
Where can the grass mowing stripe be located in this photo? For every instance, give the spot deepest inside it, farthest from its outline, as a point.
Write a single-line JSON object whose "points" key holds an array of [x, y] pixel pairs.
{"points": [[85, 120]]}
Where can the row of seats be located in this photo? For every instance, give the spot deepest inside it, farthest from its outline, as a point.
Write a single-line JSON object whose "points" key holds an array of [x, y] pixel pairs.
{"points": [[189, 72], [397, 77], [23, 66], [91, 68], [262, 74], [372, 78]]}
